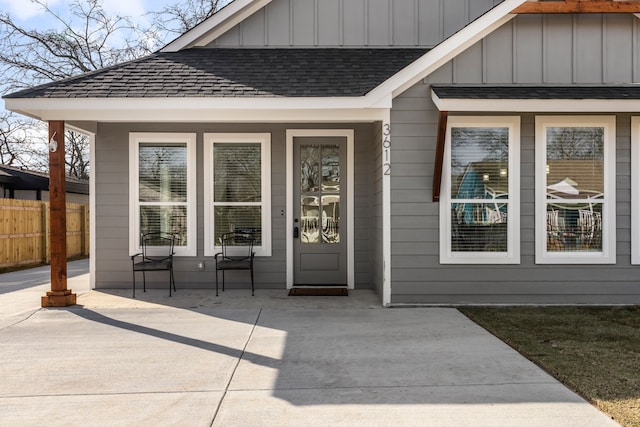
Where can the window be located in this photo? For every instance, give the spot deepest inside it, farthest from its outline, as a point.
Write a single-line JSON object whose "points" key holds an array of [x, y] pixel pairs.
{"points": [[162, 188], [479, 208], [575, 189], [237, 188]]}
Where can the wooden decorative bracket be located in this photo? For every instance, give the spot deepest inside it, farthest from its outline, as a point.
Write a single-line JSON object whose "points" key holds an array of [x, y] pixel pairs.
{"points": [[578, 6], [439, 159]]}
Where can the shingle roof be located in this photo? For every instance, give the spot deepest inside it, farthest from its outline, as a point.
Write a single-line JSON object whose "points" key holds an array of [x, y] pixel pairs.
{"points": [[237, 73], [537, 92]]}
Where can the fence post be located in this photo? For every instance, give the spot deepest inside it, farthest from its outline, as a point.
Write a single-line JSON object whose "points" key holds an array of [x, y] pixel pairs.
{"points": [[46, 253]]}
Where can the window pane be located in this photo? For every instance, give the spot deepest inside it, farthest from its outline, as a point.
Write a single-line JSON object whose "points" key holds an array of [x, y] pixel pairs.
{"points": [[331, 168], [166, 219], [309, 168], [163, 172], [331, 219], [238, 218], [575, 162], [310, 219], [479, 162], [574, 227], [478, 227], [237, 172]]}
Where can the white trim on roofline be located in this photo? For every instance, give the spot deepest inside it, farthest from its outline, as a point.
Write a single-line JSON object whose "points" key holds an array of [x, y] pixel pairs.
{"points": [[179, 108], [537, 105], [447, 50], [197, 109], [221, 22]]}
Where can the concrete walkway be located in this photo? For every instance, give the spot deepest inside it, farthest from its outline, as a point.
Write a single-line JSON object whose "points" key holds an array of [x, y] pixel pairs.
{"points": [[270, 360]]}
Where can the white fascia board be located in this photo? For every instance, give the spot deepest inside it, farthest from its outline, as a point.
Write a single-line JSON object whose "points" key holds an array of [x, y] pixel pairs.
{"points": [[538, 105], [221, 22], [446, 50], [197, 109]]}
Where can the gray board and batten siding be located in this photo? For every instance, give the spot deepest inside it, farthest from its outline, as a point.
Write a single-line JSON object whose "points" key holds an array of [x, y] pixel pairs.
{"points": [[113, 267], [354, 23], [538, 50]]}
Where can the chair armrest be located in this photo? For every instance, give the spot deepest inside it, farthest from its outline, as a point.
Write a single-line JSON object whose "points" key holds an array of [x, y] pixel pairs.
{"points": [[217, 255], [135, 255]]}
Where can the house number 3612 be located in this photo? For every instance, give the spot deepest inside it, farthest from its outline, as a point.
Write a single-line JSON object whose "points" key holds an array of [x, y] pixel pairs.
{"points": [[386, 145]]}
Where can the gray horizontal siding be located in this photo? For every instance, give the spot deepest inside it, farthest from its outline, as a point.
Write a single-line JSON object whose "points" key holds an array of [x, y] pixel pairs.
{"points": [[529, 50], [418, 276], [351, 23], [113, 265]]}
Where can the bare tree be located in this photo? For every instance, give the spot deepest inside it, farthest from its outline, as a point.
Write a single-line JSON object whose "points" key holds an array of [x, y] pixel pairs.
{"points": [[85, 38], [178, 18], [19, 142]]}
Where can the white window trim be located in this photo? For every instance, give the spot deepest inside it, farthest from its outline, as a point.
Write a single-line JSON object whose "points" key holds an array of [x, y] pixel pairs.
{"points": [[608, 254], [210, 248], [135, 139], [635, 188], [512, 256]]}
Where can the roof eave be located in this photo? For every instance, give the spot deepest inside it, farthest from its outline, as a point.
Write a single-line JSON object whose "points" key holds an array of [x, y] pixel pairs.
{"points": [[198, 109], [536, 105]]}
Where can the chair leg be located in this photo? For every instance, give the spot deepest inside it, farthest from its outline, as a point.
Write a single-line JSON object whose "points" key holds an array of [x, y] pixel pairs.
{"points": [[252, 288], [222, 280], [170, 271], [134, 283], [216, 282], [173, 280], [144, 281]]}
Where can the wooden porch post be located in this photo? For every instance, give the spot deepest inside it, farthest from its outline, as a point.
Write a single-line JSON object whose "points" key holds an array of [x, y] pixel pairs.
{"points": [[59, 296]]}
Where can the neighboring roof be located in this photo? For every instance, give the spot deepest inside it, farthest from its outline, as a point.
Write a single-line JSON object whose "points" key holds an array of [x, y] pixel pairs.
{"points": [[536, 92], [5, 177], [21, 179], [237, 73]]}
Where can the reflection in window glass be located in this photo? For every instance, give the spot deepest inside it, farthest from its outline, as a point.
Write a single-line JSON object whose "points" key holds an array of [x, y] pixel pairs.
{"points": [[575, 188], [237, 188], [310, 219], [575, 160], [331, 219], [162, 172], [165, 219], [238, 218], [330, 168], [479, 189], [320, 194], [162, 189], [237, 172], [309, 168]]}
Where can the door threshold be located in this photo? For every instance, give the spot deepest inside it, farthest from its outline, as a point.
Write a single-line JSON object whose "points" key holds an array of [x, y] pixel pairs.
{"points": [[316, 291]]}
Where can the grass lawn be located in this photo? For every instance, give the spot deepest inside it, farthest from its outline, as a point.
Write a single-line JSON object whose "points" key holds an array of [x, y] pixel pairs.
{"points": [[595, 351]]}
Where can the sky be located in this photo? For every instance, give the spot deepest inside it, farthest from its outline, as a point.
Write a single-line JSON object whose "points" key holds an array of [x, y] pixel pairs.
{"points": [[26, 12]]}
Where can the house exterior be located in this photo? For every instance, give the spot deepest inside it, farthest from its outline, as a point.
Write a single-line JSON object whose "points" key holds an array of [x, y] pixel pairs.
{"points": [[16, 183], [438, 152]]}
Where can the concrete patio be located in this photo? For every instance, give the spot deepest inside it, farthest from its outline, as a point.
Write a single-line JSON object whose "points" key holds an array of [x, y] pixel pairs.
{"points": [[270, 360]]}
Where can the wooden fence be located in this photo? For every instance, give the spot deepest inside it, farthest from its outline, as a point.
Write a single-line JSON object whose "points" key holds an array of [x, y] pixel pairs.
{"points": [[24, 232]]}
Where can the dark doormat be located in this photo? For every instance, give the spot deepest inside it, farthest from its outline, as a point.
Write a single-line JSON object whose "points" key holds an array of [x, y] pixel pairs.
{"points": [[319, 292]]}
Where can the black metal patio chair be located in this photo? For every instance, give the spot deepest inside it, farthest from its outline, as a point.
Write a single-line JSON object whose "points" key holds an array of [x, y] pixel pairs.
{"points": [[237, 254], [157, 255]]}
